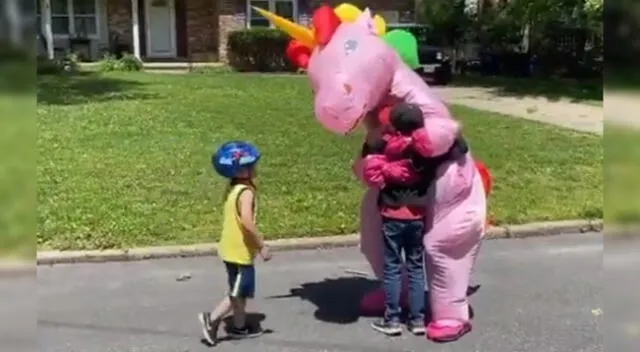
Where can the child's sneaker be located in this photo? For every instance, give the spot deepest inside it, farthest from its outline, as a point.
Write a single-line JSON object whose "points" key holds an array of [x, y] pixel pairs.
{"points": [[244, 333], [209, 328], [416, 327], [387, 327]]}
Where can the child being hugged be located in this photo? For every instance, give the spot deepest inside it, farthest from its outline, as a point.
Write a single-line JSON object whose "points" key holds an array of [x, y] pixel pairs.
{"points": [[402, 203], [240, 240], [399, 162]]}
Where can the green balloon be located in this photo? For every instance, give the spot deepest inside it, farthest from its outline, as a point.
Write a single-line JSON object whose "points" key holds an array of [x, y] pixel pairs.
{"points": [[405, 44]]}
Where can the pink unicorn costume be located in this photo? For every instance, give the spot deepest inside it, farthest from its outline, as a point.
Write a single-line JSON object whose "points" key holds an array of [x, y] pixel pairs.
{"points": [[354, 71]]}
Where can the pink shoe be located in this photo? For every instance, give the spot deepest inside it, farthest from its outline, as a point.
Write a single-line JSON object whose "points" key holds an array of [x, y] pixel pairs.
{"points": [[372, 304], [444, 331]]}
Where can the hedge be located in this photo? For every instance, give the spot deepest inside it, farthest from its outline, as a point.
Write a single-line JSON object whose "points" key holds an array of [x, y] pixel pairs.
{"points": [[258, 50]]}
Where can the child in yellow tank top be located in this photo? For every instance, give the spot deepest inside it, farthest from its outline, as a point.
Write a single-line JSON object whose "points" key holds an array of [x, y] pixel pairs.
{"points": [[234, 246], [240, 240]]}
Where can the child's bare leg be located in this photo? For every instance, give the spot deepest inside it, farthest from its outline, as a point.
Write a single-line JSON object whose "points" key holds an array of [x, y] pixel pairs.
{"points": [[238, 306], [211, 321], [222, 309]]}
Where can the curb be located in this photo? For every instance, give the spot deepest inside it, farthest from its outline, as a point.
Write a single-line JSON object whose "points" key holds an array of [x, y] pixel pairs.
{"points": [[16, 268], [352, 240]]}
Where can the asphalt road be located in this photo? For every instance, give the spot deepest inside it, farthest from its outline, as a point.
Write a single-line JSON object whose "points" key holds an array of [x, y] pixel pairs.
{"points": [[536, 295]]}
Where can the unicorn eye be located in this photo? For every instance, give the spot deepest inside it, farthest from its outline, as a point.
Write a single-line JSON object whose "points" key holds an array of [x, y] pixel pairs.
{"points": [[350, 46]]}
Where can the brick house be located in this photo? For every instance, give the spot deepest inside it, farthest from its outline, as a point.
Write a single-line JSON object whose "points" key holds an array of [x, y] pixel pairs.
{"points": [[182, 30]]}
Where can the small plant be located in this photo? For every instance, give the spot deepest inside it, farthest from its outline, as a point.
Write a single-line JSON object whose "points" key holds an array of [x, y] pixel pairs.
{"points": [[108, 63], [127, 62], [70, 62]]}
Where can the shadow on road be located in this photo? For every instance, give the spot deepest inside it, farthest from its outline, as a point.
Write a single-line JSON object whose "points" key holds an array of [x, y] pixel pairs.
{"points": [[338, 300]]}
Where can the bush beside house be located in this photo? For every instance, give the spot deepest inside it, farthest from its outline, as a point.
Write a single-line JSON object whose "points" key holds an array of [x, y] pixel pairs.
{"points": [[258, 50]]}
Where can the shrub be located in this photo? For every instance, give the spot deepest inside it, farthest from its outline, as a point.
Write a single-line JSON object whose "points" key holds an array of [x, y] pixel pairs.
{"points": [[258, 49], [70, 62], [127, 62], [108, 63], [46, 66]]}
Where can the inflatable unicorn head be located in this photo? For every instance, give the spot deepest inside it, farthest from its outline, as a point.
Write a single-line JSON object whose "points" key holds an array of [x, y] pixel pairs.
{"points": [[350, 60]]}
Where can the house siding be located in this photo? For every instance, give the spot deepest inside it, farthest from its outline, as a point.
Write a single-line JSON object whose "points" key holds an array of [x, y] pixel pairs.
{"points": [[202, 29], [196, 27], [202, 26], [119, 22], [233, 13], [232, 17], [98, 45]]}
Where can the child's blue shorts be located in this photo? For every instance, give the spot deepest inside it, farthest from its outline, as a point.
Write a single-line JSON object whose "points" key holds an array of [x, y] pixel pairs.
{"points": [[242, 280]]}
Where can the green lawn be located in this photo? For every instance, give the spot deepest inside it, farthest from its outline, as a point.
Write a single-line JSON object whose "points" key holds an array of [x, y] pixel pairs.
{"points": [[17, 176], [622, 167], [124, 160], [587, 91]]}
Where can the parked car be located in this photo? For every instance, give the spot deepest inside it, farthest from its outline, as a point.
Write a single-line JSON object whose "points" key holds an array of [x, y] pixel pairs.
{"points": [[435, 65]]}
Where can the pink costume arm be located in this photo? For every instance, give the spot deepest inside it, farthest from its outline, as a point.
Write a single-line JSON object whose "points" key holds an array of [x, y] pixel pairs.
{"points": [[442, 130]]}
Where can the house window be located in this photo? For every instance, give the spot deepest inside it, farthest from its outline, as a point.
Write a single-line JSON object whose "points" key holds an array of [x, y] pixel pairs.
{"points": [[75, 18], [285, 8]]}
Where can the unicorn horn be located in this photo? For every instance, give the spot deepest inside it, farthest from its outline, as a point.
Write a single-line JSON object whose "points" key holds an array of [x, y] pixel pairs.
{"points": [[302, 34]]}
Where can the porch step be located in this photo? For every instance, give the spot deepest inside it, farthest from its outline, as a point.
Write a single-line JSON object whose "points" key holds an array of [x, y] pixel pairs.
{"points": [[180, 65], [164, 66]]}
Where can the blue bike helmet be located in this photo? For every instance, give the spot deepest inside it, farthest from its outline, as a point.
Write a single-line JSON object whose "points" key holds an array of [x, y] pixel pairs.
{"points": [[232, 156]]}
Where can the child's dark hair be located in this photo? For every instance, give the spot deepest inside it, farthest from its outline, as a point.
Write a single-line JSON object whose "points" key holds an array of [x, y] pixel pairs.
{"points": [[233, 182], [228, 189], [406, 118]]}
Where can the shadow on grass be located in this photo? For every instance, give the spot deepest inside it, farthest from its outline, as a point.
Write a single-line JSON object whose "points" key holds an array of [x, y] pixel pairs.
{"points": [[554, 89], [622, 79], [87, 87], [338, 300], [16, 77]]}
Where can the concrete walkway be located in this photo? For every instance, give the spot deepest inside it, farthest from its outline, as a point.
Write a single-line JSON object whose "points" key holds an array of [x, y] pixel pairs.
{"points": [[622, 108], [577, 116]]}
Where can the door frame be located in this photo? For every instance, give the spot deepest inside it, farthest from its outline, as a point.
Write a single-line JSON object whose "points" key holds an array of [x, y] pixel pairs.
{"points": [[172, 24]]}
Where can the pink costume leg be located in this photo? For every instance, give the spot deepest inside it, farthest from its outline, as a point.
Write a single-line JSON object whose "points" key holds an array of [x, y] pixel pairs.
{"points": [[371, 247], [371, 232], [451, 247]]}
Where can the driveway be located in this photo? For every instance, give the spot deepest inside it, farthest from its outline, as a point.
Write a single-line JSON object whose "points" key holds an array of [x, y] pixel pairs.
{"points": [[577, 116], [536, 295], [622, 108]]}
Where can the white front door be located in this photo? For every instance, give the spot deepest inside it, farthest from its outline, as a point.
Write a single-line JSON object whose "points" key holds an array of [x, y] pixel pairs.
{"points": [[161, 28]]}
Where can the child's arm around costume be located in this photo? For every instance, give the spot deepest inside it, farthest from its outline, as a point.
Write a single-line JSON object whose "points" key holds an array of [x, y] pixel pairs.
{"points": [[378, 170], [247, 219]]}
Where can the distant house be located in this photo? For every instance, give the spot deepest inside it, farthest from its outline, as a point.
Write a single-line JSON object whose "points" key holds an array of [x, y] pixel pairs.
{"points": [[194, 30]]}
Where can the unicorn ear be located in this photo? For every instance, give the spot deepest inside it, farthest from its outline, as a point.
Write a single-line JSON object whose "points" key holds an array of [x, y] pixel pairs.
{"points": [[366, 21]]}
